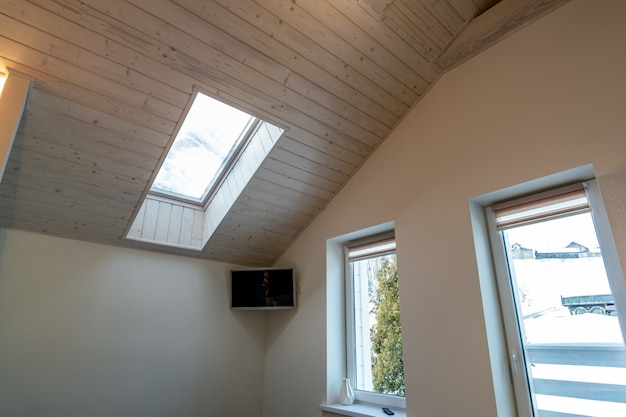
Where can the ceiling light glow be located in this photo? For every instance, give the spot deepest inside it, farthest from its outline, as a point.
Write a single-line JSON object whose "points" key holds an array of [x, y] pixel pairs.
{"points": [[3, 78]]}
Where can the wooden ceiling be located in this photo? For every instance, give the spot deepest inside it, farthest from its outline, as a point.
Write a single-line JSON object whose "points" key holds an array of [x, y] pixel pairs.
{"points": [[113, 77]]}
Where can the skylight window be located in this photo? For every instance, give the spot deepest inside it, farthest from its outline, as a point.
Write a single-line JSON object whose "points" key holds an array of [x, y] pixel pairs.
{"points": [[209, 138]]}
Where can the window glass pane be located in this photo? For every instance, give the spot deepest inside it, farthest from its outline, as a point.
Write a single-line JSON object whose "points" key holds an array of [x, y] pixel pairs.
{"points": [[570, 331], [378, 337], [209, 135]]}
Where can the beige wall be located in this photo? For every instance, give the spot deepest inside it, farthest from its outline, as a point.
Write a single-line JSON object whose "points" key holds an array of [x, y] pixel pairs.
{"points": [[549, 98], [91, 330]]}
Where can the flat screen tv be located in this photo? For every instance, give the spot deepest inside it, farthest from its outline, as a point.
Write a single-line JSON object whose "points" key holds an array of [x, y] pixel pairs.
{"points": [[263, 288]]}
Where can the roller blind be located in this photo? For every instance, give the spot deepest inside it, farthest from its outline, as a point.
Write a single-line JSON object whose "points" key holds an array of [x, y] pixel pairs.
{"points": [[378, 245], [555, 202]]}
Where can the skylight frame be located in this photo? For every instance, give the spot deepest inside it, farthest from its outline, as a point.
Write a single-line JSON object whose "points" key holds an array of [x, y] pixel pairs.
{"points": [[247, 132]]}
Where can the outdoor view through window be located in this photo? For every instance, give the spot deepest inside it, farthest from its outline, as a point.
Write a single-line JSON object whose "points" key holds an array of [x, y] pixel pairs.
{"points": [[377, 337], [209, 136], [573, 349]]}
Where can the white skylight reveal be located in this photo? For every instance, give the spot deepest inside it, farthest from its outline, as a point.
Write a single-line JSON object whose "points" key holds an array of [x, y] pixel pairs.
{"points": [[208, 138], [216, 152]]}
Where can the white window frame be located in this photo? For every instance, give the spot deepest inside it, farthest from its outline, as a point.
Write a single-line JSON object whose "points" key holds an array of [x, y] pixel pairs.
{"points": [[248, 131], [383, 400], [518, 375]]}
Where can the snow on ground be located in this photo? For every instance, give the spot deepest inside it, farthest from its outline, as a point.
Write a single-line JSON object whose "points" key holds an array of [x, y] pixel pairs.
{"points": [[559, 326]]}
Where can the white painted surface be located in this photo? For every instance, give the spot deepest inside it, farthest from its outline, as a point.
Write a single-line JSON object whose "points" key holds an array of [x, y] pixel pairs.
{"points": [[360, 410], [91, 330]]}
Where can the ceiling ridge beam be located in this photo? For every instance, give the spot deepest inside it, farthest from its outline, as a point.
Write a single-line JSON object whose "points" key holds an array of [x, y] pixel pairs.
{"points": [[495, 24]]}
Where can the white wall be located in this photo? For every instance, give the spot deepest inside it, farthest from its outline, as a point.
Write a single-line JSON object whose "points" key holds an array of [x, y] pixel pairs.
{"points": [[549, 98], [92, 330]]}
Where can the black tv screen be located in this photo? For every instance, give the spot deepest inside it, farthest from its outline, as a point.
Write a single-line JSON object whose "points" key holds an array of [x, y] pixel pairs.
{"points": [[262, 288]]}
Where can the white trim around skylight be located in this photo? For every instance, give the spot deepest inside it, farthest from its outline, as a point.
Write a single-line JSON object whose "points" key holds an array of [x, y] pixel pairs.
{"points": [[171, 221]]}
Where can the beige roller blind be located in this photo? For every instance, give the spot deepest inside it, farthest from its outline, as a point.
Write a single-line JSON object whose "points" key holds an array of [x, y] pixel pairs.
{"points": [[371, 246], [550, 203]]}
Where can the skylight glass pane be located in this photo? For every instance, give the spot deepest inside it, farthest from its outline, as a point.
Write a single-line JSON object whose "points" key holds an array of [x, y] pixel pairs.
{"points": [[206, 140]]}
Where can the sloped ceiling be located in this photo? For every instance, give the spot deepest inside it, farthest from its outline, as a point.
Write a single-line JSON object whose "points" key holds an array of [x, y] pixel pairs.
{"points": [[113, 77]]}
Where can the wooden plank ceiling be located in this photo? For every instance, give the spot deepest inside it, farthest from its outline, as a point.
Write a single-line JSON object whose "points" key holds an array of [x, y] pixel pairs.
{"points": [[112, 78]]}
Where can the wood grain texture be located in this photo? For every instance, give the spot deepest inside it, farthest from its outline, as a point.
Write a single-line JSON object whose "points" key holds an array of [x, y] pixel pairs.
{"points": [[112, 79]]}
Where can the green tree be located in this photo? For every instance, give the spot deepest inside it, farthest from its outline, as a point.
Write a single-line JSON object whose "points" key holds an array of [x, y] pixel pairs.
{"points": [[385, 334]]}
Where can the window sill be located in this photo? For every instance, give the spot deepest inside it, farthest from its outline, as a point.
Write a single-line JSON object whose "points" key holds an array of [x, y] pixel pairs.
{"points": [[360, 410]]}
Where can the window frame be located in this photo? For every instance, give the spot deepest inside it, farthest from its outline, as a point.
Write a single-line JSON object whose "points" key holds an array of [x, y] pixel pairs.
{"points": [[384, 400], [248, 131], [513, 344]]}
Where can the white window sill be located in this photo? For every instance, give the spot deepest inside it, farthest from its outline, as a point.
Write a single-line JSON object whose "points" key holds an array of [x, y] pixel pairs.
{"points": [[360, 410]]}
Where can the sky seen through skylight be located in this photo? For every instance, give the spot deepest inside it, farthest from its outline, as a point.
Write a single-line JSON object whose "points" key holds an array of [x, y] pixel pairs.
{"points": [[210, 132]]}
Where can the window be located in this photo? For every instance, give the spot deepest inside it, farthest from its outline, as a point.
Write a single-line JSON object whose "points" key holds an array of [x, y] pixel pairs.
{"points": [[374, 336], [211, 159], [207, 142], [562, 303]]}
